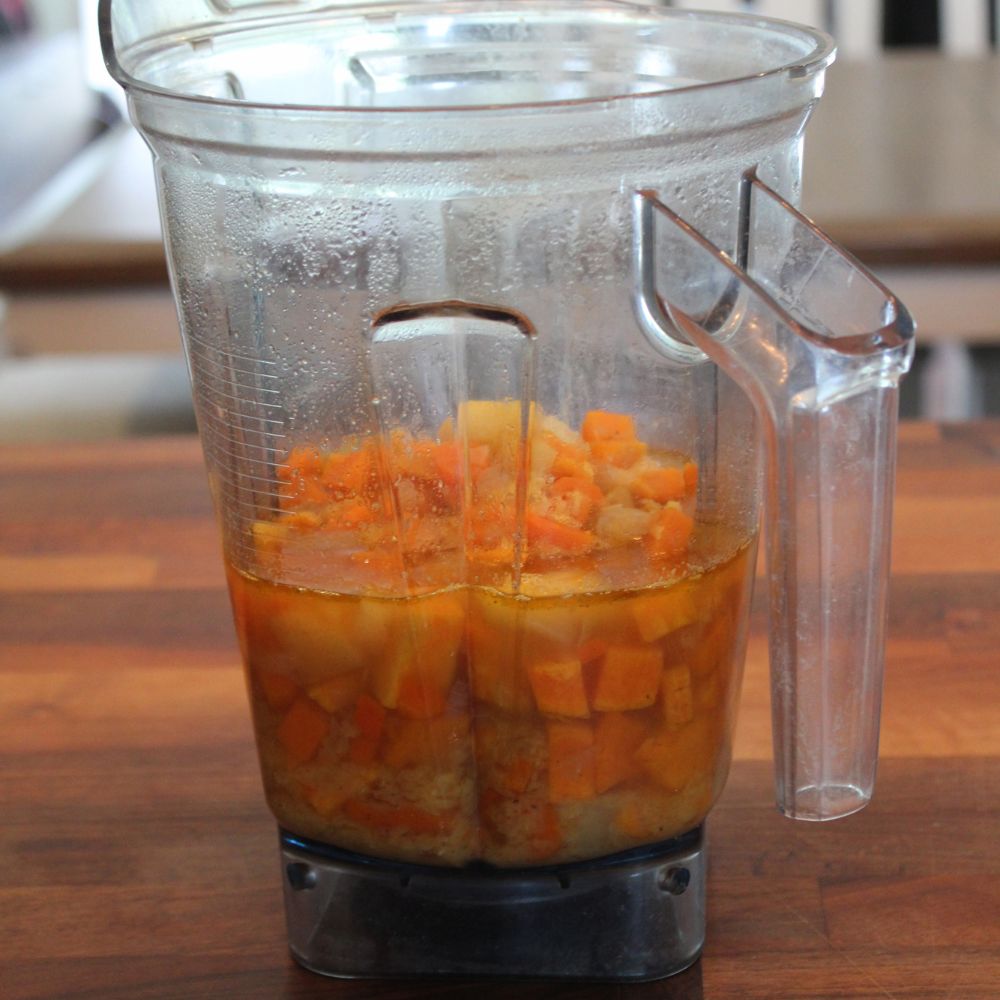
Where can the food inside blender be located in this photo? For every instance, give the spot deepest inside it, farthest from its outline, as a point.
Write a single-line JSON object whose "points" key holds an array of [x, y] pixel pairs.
{"points": [[530, 654]]}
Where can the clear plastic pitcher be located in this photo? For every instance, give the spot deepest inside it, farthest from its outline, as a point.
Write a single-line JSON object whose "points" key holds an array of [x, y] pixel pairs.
{"points": [[503, 334]]}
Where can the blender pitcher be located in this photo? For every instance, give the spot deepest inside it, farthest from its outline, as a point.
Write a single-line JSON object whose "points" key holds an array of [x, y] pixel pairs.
{"points": [[503, 333]]}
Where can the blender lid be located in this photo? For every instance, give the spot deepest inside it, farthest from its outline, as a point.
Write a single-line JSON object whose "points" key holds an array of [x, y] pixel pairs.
{"points": [[464, 55]]}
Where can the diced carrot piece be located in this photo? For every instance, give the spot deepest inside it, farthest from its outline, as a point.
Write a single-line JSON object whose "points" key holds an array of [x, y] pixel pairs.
{"points": [[553, 538], [690, 474], [602, 425], [558, 688], [406, 818], [622, 454], [369, 718], [571, 761], [617, 736], [628, 678], [658, 614], [447, 458], [303, 461], [678, 702], [571, 460], [661, 485], [337, 693], [670, 533], [350, 473], [352, 515], [279, 691], [302, 730]]}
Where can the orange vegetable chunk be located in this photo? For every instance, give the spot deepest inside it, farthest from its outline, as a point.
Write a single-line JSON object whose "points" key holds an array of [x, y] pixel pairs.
{"points": [[558, 687], [554, 538], [571, 761], [602, 425], [406, 818], [302, 730], [279, 691], [495, 673], [622, 454], [417, 671], [660, 485], [628, 677], [617, 736], [369, 718], [337, 693], [678, 702], [657, 615], [690, 478], [670, 533], [416, 742], [577, 497], [673, 759]]}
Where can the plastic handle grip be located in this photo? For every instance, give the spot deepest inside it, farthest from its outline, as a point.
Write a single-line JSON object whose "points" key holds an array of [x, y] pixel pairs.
{"points": [[819, 345]]}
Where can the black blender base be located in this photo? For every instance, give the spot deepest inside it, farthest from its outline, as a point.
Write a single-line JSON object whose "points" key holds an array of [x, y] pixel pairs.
{"points": [[633, 916]]}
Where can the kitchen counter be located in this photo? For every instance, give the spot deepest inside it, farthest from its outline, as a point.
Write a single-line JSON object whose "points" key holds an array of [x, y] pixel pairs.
{"points": [[138, 860]]}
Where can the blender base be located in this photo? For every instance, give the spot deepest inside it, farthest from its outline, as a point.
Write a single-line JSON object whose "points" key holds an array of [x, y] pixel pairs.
{"points": [[633, 916]]}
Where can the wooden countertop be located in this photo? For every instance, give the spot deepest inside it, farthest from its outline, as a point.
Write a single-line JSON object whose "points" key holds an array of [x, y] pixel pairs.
{"points": [[900, 166], [137, 859]]}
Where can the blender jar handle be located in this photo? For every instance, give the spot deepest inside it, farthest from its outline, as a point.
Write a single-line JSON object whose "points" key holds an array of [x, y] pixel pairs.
{"points": [[819, 346]]}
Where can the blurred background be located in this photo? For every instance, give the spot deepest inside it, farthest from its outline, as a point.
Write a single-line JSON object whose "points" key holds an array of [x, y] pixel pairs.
{"points": [[902, 167]]}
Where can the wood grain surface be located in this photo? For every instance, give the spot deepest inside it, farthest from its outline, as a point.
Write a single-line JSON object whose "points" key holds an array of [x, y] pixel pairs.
{"points": [[137, 858]]}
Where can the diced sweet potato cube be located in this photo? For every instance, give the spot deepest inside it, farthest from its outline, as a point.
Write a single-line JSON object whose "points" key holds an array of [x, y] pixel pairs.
{"points": [[670, 533], [628, 677], [314, 636], [416, 742], [338, 692], [279, 691], [496, 675], [678, 701], [571, 761], [515, 777], [714, 649], [558, 688], [658, 614], [592, 649], [302, 730], [416, 673], [369, 721], [673, 759], [617, 736]]}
